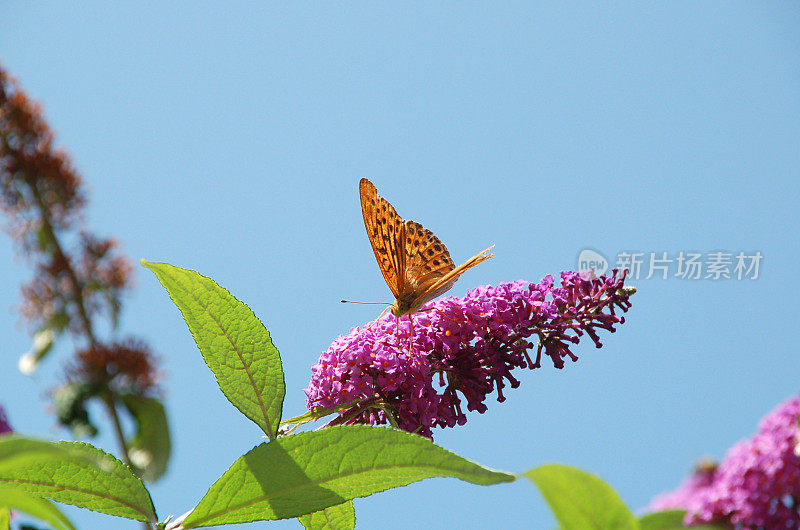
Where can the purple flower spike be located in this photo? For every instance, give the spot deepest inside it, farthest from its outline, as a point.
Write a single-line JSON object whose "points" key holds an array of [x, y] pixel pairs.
{"points": [[466, 346], [757, 484], [5, 427]]}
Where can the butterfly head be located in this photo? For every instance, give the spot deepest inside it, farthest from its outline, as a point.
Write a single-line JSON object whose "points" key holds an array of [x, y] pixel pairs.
{"points": [[405, 305]]}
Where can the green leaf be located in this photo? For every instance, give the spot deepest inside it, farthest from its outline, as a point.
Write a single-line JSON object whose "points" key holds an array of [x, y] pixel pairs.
{"points": [[667, 520], [339, 517], [5, 518], [580, 500], [671, 520], [70, 404], [150, 447], [35, 507], [307, 472], [234, 343], [17, 451], [74, 473]]}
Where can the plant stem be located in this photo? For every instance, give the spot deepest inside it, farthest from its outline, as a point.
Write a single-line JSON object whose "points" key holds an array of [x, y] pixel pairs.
{"points": [[108, 399], [77, 300], [77, 287]]}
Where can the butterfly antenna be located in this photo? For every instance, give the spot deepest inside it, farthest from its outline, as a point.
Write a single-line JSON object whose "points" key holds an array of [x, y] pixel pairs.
{"points": [[352, 302]]}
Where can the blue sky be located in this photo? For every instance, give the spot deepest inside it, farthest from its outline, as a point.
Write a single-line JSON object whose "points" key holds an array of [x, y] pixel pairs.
{"points": [[230, 140]]}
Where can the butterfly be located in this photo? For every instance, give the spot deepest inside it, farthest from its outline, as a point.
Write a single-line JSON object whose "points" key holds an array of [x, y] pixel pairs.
{"points": [[415, 263]]}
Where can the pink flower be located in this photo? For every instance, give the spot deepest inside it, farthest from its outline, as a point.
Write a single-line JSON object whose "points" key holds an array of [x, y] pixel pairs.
{"points": [[464, 347], [757, 484]]}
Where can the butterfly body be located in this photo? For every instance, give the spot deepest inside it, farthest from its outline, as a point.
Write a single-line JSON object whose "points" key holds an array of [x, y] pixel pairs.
{"points": [[415, 264]]}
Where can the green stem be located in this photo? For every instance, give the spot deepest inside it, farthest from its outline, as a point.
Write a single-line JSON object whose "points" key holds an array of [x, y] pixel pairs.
{"points": [[111, 406]]}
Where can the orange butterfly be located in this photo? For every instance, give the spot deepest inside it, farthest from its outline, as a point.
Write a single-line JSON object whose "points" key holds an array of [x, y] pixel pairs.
{"points": [[415, 263]]}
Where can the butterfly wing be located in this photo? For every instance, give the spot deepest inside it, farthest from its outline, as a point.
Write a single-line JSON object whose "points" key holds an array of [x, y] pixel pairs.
{"points": [[427, 259], [430, 270], [415, 263], [386, 233], [444, 283]]}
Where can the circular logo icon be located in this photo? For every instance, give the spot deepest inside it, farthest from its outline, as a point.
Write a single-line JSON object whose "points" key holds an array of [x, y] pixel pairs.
{"points": [[591, 264]]}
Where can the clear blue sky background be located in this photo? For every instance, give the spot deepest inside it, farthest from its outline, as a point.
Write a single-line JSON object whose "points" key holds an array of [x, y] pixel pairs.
{"points": [[231, 139]]}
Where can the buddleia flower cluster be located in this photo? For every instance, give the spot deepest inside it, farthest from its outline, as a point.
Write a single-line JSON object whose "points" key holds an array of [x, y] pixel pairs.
{"points": [[428, 369], [79, 278], [756, 485]]}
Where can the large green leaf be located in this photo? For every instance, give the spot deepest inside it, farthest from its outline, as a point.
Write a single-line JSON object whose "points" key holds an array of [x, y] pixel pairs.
{"points": [[5, 518], [339, 517], [150, 447], [672, 520], [307, 472], [75, 473], [234, 343], [34, 506], [580, 500], [16, 451]]}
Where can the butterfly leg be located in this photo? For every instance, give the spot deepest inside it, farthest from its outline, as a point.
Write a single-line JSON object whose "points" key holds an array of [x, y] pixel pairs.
{"points": [[411, 340], [379, 317]]}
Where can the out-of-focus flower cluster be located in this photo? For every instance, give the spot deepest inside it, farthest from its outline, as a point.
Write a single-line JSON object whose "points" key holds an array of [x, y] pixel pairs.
{"points": [[41, 195], [5, 426], [391, 371], [79, 278], [33, 173], [123, 367], [757, 484], [104, 371], [98, 277]]}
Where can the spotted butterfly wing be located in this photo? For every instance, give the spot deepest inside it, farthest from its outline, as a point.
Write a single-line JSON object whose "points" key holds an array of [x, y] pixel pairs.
{"points": [[384, 230], [431, 270], [427, 260], [415, 263]]}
